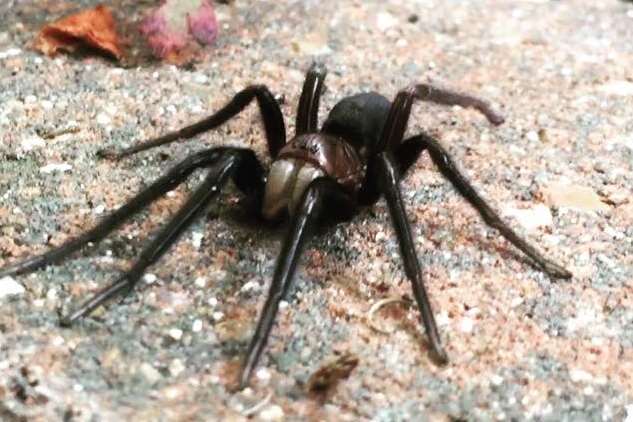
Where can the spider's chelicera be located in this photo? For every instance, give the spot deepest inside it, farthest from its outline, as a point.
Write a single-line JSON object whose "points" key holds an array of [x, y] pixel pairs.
{"points": [[359, 155]]}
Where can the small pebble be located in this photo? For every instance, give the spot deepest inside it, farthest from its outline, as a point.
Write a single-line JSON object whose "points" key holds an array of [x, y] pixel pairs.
{"points": [[263, 375], [176, 367], [578, 375], [250, 286], [8, 287], [196, 327], [466, 325], [200, 282], [150, 373], [103, 119], [618, 88], [385, 21], [31, 142], [175, 333], [574, 196], [272, 413], [59, 168], [531, 218]]}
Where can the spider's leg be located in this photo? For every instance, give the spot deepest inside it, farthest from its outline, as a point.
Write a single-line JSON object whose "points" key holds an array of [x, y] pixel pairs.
{"points": [[322, 194], [400, 110], [217, 176], [388, 181], [164, 184], [269, 109], [407, 153], [308, 110], [449, 169], [430, 93]]}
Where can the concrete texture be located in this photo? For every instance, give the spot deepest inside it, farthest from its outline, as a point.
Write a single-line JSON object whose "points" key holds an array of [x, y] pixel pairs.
{"points": [[522, 346]]}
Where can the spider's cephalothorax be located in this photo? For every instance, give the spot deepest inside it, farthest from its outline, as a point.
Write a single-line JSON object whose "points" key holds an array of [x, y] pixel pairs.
{"points": [[359, 155], [304, 159]]}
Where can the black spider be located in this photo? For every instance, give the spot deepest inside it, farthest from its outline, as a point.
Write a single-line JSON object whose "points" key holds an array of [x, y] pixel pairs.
{"points": [[358, 155]]}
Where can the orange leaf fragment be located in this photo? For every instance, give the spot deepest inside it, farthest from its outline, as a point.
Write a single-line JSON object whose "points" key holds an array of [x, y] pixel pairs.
{"points": [[93, 28]]}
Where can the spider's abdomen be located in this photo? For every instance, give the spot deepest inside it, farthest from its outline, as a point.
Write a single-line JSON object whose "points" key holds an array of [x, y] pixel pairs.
{"points": [[304, 159]]}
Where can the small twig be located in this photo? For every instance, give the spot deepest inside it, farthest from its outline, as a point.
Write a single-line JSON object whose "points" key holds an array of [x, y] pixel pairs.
{"points": [[379, 305], [258, 406]]}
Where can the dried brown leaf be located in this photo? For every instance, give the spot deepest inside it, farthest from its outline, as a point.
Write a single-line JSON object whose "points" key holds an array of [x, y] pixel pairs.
{"points": [[93, 28]]}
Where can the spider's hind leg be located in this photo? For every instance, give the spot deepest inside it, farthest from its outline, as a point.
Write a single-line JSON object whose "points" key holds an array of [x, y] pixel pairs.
{"points": [[449, 169]]}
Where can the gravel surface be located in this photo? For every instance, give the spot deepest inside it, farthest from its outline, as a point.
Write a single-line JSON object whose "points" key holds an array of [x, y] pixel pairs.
{"points": [[522, 346]]}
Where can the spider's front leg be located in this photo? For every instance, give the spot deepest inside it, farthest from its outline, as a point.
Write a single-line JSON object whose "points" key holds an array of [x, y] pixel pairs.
{"points": [[164, 184], [321, 196], [223, 163], [271, 116], [308, 110]]}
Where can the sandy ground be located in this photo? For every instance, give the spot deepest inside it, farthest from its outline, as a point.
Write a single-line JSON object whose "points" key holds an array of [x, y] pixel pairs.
{"points": [[522, 346]]}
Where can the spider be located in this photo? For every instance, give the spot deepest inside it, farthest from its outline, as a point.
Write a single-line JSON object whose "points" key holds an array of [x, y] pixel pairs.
{"points": [[318, 177]]}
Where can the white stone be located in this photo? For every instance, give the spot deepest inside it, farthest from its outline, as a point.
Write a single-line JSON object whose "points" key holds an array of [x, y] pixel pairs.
{"points": [[496, 380], [620, 88], [31, 142], [175, 333], [272, 413], [196, 327], [200, 282], [56, 167], [8, 287], [196, 239], [250, 286], [150, 373], [11, 52], [517, 301], [176, 367], [385, 21], [466, 325], [103, 119], [217, 316], [442, 319], [578, 375], [532, 136], [531, 218], [263, 374], [149, 278], [629, 410]]}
